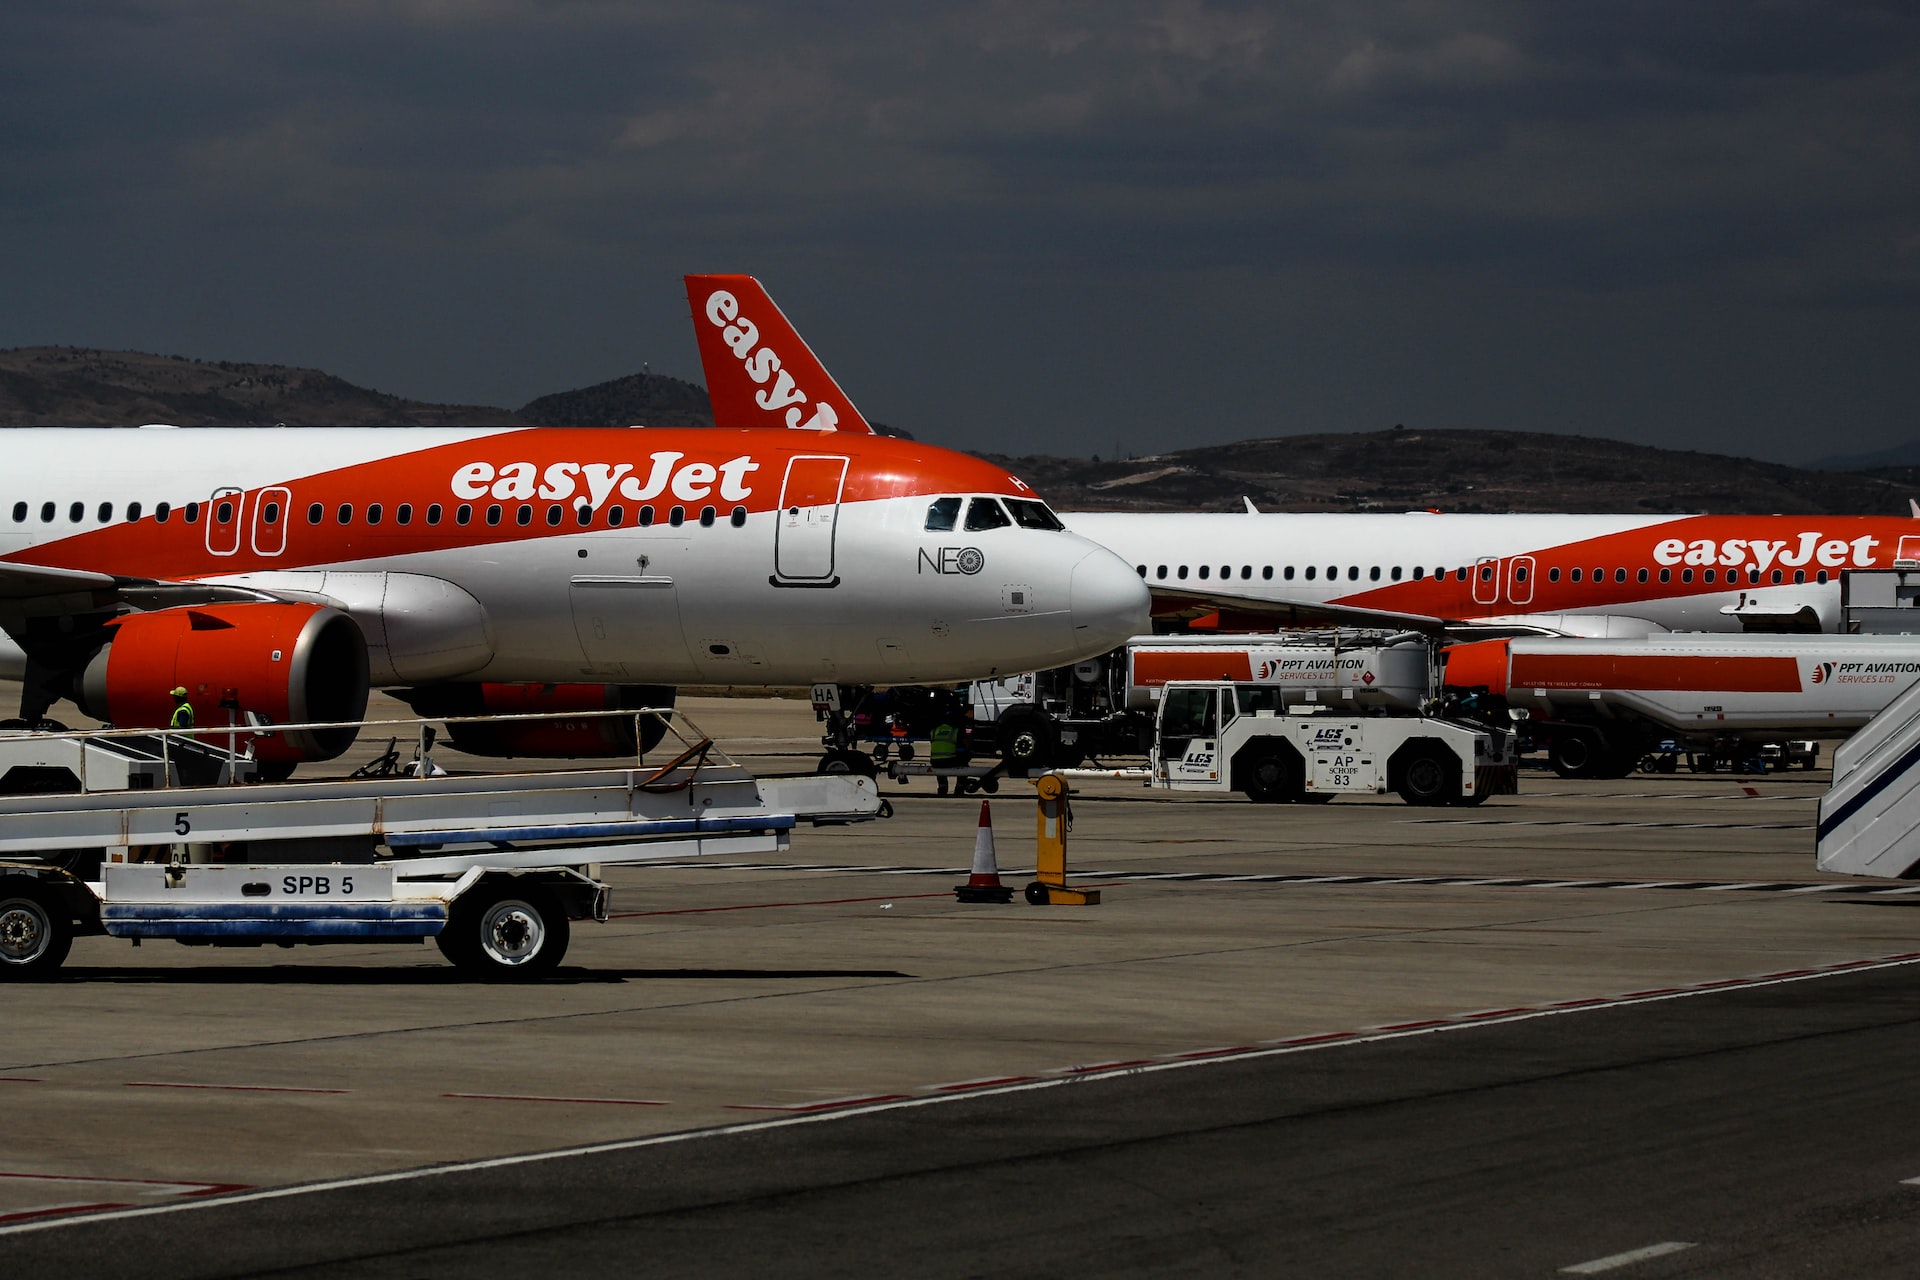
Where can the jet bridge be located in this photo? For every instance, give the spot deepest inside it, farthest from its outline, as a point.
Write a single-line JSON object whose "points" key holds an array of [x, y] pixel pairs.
{"points": [[492, 866]]}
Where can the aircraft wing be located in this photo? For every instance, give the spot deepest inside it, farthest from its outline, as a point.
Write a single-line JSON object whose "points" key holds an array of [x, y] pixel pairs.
{"points": [[21, 585], [1188, 603], [32, 581]]}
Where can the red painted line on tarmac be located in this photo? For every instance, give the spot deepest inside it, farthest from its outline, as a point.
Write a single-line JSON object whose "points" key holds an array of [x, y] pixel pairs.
{"points": [[534, 1097], [227, 1088], [21, 1080], [761, 906], [1498, 1013], [964, 1085], [1651, 991], [183, 1190], [61, 1210], [1196, 1055], [1414, 1026], [1323, 1038], [199, 1188], [1109, 1066], [805, 1108]]}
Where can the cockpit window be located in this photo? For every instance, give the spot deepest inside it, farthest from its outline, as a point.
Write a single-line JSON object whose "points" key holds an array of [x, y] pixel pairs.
{"points": [[942, 515], [1029, 514], [985, 513]]}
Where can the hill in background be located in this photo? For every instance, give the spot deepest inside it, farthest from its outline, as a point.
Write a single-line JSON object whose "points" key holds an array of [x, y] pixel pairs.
{"points": [[1458, 471], [1397, 470], [79, 387], [639, 398]]}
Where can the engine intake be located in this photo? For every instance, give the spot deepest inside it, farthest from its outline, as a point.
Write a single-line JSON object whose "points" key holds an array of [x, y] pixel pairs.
{"points": [[291, 663]]}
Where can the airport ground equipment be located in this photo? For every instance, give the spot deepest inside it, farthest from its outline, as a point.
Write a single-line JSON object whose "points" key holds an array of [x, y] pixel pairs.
{"points": [[1223, 736], [1599, 706], [1104, 707], [1869, 820], [492, 867], [1053, 819]]}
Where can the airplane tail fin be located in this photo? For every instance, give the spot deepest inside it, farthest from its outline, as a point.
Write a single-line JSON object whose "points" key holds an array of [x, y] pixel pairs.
{"points": [[759, 372]]}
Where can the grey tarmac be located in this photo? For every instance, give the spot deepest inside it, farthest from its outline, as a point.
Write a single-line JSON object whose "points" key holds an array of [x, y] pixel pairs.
{"points": [[726, 995]]}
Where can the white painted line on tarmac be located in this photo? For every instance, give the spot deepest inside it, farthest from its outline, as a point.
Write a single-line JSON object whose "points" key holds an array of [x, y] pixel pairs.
{"points": [[1910, 1182], [845, 1109], [1626, 1259]]}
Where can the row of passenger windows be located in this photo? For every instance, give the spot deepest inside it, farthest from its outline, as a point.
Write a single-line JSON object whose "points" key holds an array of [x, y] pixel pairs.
{"points": [[523, 514], [77, 512], [375, 513], [1395, 573]]}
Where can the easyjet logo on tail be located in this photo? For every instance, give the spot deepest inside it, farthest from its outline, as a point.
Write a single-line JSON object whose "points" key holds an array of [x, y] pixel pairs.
{"points": [[762, 364]]}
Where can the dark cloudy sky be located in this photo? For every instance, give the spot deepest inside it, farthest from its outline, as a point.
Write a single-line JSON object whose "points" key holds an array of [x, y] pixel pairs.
{"points": [[1022, 226]]}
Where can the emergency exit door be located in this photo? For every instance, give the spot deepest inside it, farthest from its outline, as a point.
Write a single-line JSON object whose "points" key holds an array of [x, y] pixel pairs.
{"points": [[804, 527]]}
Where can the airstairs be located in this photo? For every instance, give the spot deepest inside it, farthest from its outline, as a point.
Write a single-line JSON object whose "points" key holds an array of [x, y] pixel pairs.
{"points": [[1870, 817]]}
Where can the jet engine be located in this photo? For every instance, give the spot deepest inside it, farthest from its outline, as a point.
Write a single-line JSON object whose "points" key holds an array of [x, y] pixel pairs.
{"points": [[559, 737], [289, 663]]}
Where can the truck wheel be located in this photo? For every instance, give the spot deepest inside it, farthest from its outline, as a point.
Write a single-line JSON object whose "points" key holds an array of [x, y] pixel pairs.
{"points": [[1584, 755], [1271, 777], [854, 762], [1026, 743], [1427, 777], [509, 932], [35, 931]]}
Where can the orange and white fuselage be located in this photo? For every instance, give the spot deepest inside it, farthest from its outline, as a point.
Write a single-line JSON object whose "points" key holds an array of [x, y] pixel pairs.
{"points": [[657, 556], [1598, 575]]}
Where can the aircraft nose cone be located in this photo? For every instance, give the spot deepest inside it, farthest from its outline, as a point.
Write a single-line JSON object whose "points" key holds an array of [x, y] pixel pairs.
{"points": [[1108, 601]]}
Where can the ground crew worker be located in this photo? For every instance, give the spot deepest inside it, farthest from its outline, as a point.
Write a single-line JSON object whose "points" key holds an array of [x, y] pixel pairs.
{"points": [[944, 747], [182, 709]]}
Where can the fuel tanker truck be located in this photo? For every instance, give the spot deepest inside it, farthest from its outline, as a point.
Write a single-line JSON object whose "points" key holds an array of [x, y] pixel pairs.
{"points": [[1106, 706], [1599, 705]]}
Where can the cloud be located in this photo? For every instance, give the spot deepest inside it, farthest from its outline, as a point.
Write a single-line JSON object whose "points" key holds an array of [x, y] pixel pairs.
{"points": [[507, 175]]}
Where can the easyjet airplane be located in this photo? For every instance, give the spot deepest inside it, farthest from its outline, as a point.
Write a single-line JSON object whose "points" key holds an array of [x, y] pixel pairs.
{"points": [[292, 569], [1596, 576]]}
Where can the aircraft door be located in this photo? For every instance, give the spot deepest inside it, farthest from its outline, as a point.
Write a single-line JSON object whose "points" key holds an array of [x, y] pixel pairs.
{"points": [[1486, 580], [804, 529], [270, 521], [630, 626], [1520, 580], [223, 520]]}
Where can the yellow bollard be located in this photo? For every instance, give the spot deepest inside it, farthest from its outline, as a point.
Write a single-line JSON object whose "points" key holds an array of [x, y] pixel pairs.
{"points": [[1053, 821]]}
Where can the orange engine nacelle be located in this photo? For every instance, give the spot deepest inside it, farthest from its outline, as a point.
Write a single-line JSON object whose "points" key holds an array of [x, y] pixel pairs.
{"points": [[561, 737], [290, 663], [1479, 664]]}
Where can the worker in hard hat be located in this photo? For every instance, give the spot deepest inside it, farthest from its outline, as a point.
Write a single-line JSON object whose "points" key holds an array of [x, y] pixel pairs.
{"points": [[182, 709]]}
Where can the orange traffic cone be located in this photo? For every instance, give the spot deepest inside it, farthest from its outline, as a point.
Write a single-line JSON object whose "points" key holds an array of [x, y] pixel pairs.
{"points": [[984, 884]]}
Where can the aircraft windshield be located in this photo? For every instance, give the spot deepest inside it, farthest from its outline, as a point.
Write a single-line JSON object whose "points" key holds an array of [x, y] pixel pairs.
{"points": [[985, 513], [942, 515], [1029, 514]]}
